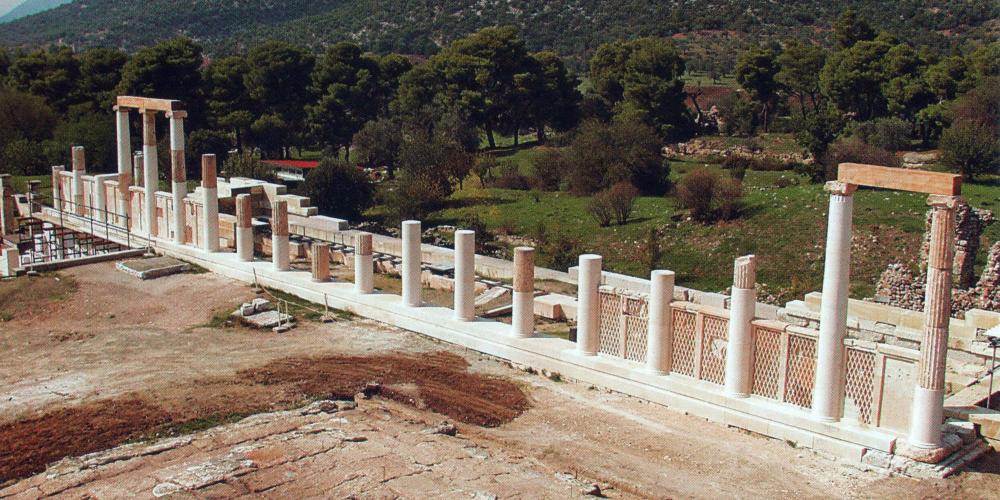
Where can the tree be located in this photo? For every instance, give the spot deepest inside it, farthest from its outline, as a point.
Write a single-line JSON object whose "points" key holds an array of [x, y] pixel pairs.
{"points": [[339, 189], [642, 79], [377, 144], [971, 148], [905, 89], [556, 103], [247, 165], [24, 117], [227, 96], [167, 70], [100, 71], [52, 74], [852, 79], [499, 56], [850, 29], [602, 155], [93, 131], [800, 65], [710, 196], [755, 72], [278, 81], [347, 83], [392, 67]]}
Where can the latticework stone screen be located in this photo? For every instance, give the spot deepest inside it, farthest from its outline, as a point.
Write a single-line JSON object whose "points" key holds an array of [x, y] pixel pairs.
{"points": [[859, 384], [801, 372], [767, 362], [684, 342], [715, 334]]}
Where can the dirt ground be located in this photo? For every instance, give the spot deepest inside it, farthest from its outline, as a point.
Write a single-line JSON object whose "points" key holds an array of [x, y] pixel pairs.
{"points": [[101, 346]]}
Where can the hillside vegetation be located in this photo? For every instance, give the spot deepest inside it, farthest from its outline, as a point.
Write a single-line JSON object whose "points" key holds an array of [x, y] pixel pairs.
{"points": [[572, 28]]}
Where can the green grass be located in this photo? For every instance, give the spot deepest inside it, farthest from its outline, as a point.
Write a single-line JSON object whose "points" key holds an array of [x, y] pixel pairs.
{"points": [[303, 309], [702, 78], [20, 183], [784, 227]]}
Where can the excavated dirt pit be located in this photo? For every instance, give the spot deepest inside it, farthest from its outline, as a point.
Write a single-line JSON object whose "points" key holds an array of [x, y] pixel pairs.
{"points": [[439, 382]]}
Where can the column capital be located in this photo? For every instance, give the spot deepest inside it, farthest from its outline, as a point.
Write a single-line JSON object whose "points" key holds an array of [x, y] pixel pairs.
{"points": [[944, 201], [177, 115], [121, 109], [840, 188], [745, 272]]}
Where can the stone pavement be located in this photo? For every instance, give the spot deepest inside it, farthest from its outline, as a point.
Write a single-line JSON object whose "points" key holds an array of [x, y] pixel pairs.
{"points": [[377, 449]]}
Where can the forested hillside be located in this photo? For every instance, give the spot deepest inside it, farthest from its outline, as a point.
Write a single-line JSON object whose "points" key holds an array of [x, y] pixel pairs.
{"points": [[712, 29]]}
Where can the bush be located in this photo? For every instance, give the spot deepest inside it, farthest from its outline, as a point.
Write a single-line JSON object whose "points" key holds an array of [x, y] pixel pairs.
{"points": [[602, 155], [339, 189], [710, 196], [247, 165], [408, 197], [600, 208], [783, 182], [622, 198], [854, 150], [511, 178], [549, 169], [891, 134], [971, 148]]}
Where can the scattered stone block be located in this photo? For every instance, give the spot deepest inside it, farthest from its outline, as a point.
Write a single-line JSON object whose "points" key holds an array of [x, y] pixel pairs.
{"points": [[152, 268]]}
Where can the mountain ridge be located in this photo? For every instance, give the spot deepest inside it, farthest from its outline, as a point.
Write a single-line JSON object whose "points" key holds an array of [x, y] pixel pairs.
{"points": [[30, 7], [573, 28]]}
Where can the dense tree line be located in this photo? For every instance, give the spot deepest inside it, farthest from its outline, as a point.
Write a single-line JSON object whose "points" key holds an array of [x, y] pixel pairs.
{"points": [[427, 117]]}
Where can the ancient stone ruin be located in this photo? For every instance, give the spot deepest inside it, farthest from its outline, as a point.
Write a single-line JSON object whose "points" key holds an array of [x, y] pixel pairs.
{"points": [[814, 372], [900, 287]]}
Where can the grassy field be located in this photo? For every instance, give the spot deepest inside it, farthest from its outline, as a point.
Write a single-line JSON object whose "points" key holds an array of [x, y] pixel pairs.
{"points": [[784, 227]]}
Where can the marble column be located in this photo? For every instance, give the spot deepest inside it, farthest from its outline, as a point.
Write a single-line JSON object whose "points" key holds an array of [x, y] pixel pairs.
{"points": [[524, 292], [927, 413], [125, 176], [79, 158], [320, 262], [8, 215], [739, 349], [138, 174], [364, 276], [178, 174], [465, 275], [660, 329], [828, 392], [210, 190], [151, 171], [411, 263], [279, 235], [588, 320], [244, 227], [58, 195]]}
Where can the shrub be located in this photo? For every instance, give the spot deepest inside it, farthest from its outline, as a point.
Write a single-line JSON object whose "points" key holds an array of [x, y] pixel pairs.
{"points": [[891, 134], [409, 197], [549, 169], [854, 150], [622, 198], [247, 165], [971, 148], [339, 189], [710, 196], [511, 178], [600, 208], [602, 155], [783, 182]]}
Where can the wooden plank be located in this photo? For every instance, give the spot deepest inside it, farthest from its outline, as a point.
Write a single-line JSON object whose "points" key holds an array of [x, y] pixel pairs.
{"points": [[127, 101], [919, 181]]}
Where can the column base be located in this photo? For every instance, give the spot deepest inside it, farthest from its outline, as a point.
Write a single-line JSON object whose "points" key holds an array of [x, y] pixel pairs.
{"points": [[926, 417], [244, 243], [279, 253], [737, 395], [523, 319]]}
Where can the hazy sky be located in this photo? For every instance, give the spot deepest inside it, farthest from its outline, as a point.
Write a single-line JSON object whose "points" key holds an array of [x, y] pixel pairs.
{"points": [[7, 5]]}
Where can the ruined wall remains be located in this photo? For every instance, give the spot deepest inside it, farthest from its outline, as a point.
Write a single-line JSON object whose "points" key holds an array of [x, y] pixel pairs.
{"points": [[900, 287]]}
